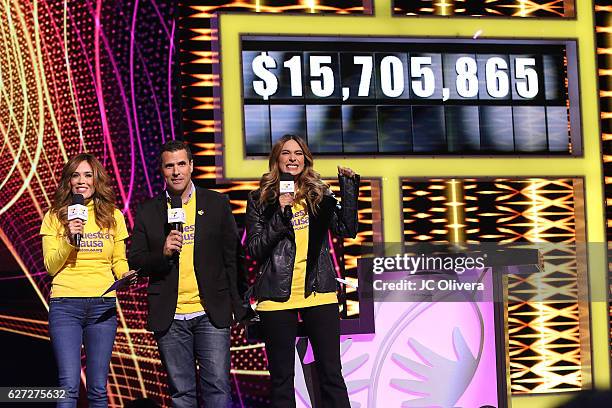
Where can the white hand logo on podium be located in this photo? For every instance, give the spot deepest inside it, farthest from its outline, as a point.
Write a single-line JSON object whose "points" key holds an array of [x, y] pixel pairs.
{"points": [[443, 380]]}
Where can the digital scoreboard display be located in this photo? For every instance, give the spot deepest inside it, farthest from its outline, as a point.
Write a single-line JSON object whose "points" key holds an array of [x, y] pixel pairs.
{"points": [[407, 96]]}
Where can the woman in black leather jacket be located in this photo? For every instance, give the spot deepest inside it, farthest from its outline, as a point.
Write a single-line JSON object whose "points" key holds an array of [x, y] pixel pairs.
{"points": [[287, 236]]}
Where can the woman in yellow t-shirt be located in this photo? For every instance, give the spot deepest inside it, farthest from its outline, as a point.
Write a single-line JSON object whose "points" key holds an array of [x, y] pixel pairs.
{"points": [[287, 235], [81, 272]]}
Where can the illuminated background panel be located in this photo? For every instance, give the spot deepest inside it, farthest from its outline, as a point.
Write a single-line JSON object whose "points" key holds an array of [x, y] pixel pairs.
{"points": [[55, 101], [603, 36], [544, 336], [500, 8], [411, 96], [70, 85], [425, 211]]}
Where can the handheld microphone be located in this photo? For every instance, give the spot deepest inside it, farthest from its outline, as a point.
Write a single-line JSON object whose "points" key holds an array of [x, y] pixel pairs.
{"points": [[77, 210], [287, 185], [176, 219], [176, 214]]}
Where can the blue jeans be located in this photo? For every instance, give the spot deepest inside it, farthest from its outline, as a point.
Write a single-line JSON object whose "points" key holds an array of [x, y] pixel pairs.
{"points": [[188, 341], [91, 322]]}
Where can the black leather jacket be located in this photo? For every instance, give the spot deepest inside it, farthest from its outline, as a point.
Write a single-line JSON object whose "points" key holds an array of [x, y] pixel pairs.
{"points": [[271, 241]]}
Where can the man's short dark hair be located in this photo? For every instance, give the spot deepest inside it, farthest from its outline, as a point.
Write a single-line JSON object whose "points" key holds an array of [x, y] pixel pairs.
{"points": [[175, 146]]}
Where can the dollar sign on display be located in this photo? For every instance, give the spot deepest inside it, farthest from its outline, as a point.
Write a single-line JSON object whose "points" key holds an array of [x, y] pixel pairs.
{"points": [[269, 84]]}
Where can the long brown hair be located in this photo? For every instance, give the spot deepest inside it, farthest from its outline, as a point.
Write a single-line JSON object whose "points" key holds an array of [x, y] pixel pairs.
{"points": [[310, 187], [103, 198]]}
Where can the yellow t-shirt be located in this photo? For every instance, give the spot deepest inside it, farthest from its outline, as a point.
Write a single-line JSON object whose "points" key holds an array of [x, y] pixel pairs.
{"points": [[297, 300], [189, 300], [90, 270]]}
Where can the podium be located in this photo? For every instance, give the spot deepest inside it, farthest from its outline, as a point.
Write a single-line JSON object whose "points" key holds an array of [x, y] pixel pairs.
{"points": [[420, 348]]}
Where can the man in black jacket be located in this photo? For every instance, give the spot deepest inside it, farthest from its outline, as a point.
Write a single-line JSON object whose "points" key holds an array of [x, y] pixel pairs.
{"points": [[193, 292]]}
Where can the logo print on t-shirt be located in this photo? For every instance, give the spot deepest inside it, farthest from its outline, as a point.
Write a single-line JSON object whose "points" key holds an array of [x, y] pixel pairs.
{"points": [[188, 234], [300, 220], [93, 241]]}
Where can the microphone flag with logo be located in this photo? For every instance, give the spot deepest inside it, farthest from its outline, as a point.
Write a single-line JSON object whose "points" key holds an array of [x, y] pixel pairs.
{"points": [[77, 211], [287, 185], [176, 213]]}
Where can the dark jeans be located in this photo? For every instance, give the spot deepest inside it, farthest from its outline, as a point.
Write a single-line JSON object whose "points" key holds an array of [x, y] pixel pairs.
{"points": [[322, 325], [188, 341], [91, 322]]}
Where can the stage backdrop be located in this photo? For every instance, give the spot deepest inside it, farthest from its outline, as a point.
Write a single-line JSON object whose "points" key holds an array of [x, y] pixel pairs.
{"points": [[118, 78]]}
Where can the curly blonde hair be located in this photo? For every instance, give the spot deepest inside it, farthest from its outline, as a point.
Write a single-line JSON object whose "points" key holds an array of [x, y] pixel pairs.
{"points": [[310, 187], [103, 197]]}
